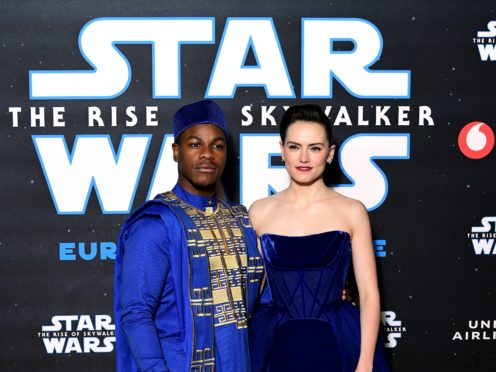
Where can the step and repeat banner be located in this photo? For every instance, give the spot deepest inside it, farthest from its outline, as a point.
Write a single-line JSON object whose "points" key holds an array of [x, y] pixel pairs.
{"points": [[89, 89]]}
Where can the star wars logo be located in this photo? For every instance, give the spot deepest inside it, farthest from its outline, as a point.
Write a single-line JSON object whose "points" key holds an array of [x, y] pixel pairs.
{"points": [[482, 237], [78, 334], [393, 329], [479, 330], [321, 61], [486, 42]]}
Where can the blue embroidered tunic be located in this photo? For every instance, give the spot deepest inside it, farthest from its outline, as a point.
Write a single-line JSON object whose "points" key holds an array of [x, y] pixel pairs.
{"points": [[187, 274]]}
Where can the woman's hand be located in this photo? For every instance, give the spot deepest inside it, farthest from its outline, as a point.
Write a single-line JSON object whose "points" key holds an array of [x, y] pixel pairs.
{"points": [[364, 367]]}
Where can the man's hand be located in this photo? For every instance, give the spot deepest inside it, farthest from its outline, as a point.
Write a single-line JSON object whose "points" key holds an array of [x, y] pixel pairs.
{"points": [[346, 296]]}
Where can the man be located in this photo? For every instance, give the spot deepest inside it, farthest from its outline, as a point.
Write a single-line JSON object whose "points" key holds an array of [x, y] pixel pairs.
{"points": [[187, 269]]}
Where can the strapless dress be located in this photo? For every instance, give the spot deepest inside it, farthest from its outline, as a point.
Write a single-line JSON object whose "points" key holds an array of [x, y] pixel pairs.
{"points": [[305, 325]]}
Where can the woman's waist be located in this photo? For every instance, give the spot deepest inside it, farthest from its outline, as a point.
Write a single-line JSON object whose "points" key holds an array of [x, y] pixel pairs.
{"points": [[302, 310]]}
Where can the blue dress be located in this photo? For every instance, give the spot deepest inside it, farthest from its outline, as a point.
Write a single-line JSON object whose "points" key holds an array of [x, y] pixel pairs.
{"points": [[303, 324]]}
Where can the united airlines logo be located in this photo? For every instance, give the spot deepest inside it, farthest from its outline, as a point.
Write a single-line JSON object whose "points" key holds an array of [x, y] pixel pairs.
{"points": [[477, 330], [486, 42], [482, 237], [78, 334]]}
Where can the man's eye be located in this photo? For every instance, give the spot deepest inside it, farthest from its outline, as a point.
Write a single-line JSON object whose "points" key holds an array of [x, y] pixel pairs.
{"points": [[219, 146], [194, 145]]}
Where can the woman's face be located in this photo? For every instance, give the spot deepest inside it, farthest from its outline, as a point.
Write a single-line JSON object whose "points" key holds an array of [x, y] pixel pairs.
{"points": [[306, 151]]}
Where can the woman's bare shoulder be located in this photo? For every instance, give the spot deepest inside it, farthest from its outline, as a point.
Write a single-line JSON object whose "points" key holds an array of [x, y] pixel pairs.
{"points": [[346, 205], [261, 205], [263, 208]]}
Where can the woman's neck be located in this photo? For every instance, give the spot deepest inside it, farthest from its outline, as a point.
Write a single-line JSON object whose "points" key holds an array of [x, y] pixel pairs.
{"points": [[304, 193]]}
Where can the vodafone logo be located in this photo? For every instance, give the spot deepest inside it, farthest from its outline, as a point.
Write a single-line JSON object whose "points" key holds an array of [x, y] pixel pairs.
{"points": [[476, 140]]}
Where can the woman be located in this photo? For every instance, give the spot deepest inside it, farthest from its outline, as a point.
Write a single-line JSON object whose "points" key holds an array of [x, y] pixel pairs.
{"points": [[308, 233]]}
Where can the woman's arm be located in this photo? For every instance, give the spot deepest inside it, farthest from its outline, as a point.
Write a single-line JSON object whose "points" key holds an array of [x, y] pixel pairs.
{"points": [[366, 278]]}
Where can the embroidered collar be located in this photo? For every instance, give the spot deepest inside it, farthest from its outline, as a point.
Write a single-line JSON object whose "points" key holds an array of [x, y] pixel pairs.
{"points": [[200, 202]]}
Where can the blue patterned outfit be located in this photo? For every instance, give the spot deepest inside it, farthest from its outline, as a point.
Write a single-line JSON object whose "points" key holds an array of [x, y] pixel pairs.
{"points": [[187, 275]]}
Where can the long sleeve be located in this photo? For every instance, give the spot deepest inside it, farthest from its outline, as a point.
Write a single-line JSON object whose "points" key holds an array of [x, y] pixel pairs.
{"points": [[145, 266]]}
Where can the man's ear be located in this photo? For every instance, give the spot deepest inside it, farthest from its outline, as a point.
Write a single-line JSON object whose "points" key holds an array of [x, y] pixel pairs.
{"points": [[175, 151]]}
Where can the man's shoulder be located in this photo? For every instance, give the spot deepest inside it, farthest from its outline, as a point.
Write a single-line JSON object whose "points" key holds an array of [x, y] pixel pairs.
{"points": [[152, 208], [152, 217]]}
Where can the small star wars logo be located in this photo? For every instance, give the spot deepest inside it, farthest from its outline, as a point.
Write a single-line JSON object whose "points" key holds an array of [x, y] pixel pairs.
{"points": [[478, 330], [486, 42], [393, 329], [482, 237], [78, 334]]}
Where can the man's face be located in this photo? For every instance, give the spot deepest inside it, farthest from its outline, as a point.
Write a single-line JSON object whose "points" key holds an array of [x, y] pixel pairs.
{"points": [[201, 157]]}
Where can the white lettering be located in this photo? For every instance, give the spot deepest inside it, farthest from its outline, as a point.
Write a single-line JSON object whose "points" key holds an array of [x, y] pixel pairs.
{"points": [[230, 71], [93, 163], [351, 68]]}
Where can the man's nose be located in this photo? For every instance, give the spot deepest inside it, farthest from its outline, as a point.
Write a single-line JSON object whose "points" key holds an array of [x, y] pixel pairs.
{"points": [[206, 153]]}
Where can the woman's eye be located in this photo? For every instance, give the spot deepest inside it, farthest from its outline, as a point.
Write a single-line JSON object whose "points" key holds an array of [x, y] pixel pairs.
{"points": [[315, 149], [293, 147]]}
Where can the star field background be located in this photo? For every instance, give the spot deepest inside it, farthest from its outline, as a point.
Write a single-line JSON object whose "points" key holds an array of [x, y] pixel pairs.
{"points": [[430, 278]]}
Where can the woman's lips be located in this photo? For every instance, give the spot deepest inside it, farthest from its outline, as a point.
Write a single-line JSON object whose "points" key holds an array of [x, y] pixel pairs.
{"points": [[304, 169]]}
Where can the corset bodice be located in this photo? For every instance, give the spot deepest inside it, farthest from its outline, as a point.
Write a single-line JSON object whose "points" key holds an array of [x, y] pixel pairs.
{"points": [[306, 274]]}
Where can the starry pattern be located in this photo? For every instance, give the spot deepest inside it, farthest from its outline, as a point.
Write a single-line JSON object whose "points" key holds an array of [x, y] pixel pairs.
{"points": [[430, 278]]}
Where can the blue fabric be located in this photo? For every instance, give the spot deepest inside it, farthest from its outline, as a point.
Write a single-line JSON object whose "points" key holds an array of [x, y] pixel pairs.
{"points": [[306, 326], [202, 112], [151, 295]]}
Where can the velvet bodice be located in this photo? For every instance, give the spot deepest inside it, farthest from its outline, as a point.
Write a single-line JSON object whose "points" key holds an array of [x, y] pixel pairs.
{"points": [[306, 274]]}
